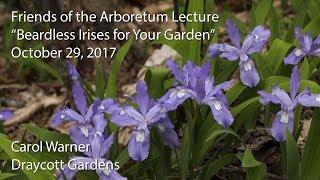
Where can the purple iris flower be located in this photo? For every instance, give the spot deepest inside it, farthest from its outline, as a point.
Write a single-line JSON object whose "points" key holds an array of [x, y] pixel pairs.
{"points": [[148, 115], [308, 47], [99, 146], [285, 117], [195, 82], [254, 42], [85, 117], [167, 132], [5, 115]]}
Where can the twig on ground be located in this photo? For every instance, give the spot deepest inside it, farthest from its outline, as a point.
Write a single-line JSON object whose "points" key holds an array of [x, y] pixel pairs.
{"points": [[24, 114]]}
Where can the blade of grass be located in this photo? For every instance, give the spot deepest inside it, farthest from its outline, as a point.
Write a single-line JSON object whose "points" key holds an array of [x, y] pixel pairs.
{"points": [[311, 155], [293, 158], [111, 89]]}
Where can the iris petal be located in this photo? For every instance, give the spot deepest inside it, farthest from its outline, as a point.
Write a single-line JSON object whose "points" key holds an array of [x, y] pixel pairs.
{"points": [[139, 145], [278, 129], [233, 33]]}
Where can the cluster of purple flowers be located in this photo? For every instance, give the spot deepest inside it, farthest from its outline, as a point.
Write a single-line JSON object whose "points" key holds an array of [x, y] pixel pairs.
{"points": [[191, 82], [254, 42], [195, 82], [285, 118], [89, 129]]}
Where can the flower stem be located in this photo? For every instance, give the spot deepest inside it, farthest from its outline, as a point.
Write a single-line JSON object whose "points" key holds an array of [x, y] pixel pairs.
{"points": [[175, 152]]}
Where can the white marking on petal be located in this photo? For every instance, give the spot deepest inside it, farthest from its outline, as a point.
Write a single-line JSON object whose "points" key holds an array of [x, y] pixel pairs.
{"points": [[256, 36], [221, 48], [298, 52], [182, 93], [140, 138], [107, 171], [98, 133], [122, 112], [1, 116], [161, 127], [217, 105], [62, 116], [179, 93], [247, 66], [147, 120], [84, 130], [174, 93], [75, 78], [317, 99], [284, 118], [243, 57], [317, 52], [102, 107], [163, 110]]}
